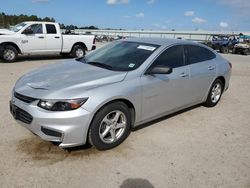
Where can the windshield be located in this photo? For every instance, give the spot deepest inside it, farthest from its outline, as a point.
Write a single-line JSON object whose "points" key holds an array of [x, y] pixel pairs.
{"points": [[18, 27], [120, 55]]}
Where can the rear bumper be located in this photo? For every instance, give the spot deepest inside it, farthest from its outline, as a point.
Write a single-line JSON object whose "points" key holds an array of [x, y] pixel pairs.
{"points": [[68, 128]]}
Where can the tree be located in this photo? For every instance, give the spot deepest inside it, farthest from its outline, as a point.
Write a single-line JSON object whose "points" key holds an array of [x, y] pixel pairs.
{"points": [[7, 20]]}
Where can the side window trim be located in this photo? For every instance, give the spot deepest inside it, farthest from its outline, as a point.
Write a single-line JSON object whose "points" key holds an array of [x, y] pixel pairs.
{"points": [[50, 25], [38, 24], [187, 52]]}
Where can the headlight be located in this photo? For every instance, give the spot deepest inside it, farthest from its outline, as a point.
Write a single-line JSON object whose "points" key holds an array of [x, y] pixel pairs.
{"points": [[61, 105]]}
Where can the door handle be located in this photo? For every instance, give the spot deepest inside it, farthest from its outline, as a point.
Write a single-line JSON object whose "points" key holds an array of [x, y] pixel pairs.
{"points": [[211, 68], [183, 75], [41, 37], [56, 37]]}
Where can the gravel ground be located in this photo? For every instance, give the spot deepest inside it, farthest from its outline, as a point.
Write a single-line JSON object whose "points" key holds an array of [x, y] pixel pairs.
{"points": [[199, 147]]}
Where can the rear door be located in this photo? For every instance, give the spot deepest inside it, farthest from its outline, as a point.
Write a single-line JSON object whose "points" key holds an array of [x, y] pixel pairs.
{"points": [[202, 70], [162, 93], [53, 38]]}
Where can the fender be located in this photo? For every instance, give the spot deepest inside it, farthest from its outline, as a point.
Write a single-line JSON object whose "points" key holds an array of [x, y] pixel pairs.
{"points": [[9, 43]]}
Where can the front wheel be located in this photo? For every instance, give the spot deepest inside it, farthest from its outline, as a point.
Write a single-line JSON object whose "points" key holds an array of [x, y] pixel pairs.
{"points": [[78, 51], [214, 94], [9, 54], [110, 126], [224, 50]]}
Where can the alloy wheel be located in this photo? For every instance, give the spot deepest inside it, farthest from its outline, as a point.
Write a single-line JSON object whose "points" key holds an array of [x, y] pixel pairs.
{"points": [[112, 127]]}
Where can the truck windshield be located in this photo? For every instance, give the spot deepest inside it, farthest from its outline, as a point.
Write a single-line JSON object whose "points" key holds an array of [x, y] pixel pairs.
{"points": [[120, 55], [18, 27]]}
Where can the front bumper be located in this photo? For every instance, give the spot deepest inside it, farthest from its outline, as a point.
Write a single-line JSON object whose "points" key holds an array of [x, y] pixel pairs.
{"points": [[69, 128]]}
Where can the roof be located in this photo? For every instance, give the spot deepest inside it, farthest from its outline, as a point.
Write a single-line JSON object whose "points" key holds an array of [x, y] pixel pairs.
{"points": [[29, 22], [160, 41]]}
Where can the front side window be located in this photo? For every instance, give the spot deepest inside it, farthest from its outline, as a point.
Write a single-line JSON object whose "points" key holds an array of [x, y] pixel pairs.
{"points": [[196, 54], [36, 28], [172, 57], [120, 55], [51, 29]]}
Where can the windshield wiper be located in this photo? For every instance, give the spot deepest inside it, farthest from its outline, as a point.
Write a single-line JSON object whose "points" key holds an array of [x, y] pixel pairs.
{"points": [[98, 64], [102, 65]]}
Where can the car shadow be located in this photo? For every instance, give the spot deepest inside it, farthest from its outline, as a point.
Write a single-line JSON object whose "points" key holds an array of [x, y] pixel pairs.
{"points": [[39, 58], [46, 153], [144, 125], [136, 183]]}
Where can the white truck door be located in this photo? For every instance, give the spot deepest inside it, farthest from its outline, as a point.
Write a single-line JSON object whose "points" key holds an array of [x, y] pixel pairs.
{"points": [[53, 38], [33, 39]]}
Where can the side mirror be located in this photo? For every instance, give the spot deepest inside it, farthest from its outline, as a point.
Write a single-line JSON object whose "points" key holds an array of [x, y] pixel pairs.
{"points": [[28, 31], [160, 69]]}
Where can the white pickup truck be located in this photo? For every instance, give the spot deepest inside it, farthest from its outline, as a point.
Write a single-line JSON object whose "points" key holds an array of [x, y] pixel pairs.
{"points": [[30, 38]]}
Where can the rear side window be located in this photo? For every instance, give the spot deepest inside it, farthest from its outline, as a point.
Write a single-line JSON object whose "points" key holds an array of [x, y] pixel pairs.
{"points": [[171, 57], [51, 29], [196, 54]]}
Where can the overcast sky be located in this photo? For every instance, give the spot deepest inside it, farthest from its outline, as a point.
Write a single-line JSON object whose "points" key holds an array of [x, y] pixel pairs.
{"points": [[140, 14]]}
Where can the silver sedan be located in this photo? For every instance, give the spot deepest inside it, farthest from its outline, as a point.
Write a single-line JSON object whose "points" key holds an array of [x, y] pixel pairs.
{"points": [[99, 98]]}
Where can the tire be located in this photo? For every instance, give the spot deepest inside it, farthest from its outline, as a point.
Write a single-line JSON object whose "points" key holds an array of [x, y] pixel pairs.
{"points": [[104, 123], [234, 51], [245, 52], [214, 94], [10, 54], [224, 50], [78, 51]]}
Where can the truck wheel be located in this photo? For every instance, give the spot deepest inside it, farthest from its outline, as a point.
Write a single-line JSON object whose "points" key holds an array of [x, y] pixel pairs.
{"points": [[234, 51], [224, 50], [10, 54], [78, 51]]}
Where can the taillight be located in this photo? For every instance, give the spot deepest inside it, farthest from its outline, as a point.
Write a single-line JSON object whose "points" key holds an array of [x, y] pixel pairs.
{"points": [[230, 65], [94, 40]]}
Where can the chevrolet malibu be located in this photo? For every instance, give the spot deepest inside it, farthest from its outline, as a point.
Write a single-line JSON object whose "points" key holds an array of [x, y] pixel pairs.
{"points": [[99, 98]]}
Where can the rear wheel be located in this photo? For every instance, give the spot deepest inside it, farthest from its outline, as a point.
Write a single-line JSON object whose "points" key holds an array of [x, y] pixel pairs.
{"points": [[214, 94], [110, 126], [245, 52], [78, 51], [234, 51], [10, 54]]}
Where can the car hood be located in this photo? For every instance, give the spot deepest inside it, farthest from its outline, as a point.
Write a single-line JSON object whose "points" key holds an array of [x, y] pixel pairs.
{"points": [[6, 32], [65, 80]]}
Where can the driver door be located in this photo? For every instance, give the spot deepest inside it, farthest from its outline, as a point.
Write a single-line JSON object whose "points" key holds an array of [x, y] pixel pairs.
{"points": [[163, 93], [34, 40]]}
